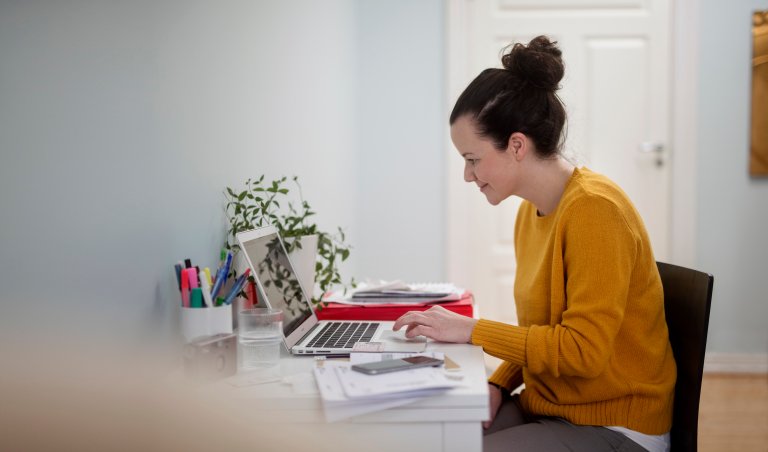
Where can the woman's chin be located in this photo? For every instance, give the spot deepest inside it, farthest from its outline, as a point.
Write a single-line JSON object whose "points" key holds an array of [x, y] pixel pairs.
{"points": [[492, 200]]}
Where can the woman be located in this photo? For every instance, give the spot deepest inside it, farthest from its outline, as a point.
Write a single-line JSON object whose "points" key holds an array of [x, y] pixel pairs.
{"points": [[592, 345]]}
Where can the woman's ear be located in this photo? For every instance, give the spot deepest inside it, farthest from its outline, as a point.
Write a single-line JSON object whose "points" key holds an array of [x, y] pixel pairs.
{"points": [[518, 145]]}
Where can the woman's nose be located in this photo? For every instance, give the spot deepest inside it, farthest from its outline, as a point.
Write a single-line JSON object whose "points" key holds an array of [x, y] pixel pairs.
{"points": [[469, 175]]}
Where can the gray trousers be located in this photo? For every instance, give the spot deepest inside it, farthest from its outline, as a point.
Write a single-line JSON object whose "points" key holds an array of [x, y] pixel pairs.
{"points": [[514, 430]]}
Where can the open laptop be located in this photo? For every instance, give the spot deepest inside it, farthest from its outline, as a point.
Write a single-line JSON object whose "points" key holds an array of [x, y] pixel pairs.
{"points": [[303, 333]]}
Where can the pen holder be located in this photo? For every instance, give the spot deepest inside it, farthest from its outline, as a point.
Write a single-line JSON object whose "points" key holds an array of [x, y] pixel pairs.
{"points": [[199, 322]]}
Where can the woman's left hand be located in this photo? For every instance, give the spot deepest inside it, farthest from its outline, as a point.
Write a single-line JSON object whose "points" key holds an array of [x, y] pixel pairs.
{"points": [[437, 323]]}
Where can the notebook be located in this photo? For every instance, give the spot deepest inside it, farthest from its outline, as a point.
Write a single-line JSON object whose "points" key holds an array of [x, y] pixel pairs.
{"points": [[303, 333]]}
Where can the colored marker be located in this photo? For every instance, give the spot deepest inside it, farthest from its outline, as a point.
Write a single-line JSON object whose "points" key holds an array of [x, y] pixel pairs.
{"points": [[251, 291], [207, 272], [206, 291], [197, 298], [188, 263], [192, 272], [185, 287]]}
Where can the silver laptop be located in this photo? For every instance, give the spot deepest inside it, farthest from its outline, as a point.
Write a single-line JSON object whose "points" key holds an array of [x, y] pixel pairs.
{"points": [[303, 333]]}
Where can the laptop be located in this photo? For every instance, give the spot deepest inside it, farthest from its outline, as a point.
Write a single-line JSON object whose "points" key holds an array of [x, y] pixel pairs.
{"points": [[303, 333]]}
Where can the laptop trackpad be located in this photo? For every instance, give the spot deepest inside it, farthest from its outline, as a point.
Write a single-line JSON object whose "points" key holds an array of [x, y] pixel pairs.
{"points": [[395, 341]]}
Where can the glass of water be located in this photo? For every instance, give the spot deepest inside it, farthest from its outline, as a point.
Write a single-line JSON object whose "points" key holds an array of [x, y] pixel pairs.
{"points": [[259, 339]]}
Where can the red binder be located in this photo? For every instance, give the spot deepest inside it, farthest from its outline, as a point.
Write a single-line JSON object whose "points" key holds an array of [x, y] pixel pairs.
{"points": [[338, 311]]}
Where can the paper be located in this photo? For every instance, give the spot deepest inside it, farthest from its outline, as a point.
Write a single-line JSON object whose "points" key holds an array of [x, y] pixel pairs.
{"points": [[396, 292], [407, 383], [337, 406], [346, 393]]}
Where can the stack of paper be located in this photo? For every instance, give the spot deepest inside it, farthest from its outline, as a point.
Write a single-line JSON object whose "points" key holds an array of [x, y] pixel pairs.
{"points": [[347, 393], [383, 292]]}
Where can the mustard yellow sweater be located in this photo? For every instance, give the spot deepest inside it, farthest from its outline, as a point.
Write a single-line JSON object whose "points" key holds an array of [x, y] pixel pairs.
{"points": [[592, 346]]}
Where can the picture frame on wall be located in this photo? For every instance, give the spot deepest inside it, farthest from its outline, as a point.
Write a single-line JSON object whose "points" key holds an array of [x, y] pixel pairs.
{"points": [[758, 160]]}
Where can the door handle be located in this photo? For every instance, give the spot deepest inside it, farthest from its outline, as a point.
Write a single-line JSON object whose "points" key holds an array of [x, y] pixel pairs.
{"points": [[653, 148]]}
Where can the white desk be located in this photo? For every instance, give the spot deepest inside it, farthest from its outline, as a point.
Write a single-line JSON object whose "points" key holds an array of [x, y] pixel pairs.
{"points": [[448, 422]]}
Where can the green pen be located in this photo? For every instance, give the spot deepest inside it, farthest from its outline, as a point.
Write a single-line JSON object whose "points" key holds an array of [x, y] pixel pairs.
{"points": [[197, 298], [219, 301]]}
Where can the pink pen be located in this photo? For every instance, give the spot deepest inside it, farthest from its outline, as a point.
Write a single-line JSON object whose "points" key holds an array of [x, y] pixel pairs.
{"points": [[185, 287], [192, 272]]}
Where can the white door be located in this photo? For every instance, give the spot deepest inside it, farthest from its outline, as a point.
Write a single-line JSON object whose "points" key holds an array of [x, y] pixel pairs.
{"points": [[616, 93]]}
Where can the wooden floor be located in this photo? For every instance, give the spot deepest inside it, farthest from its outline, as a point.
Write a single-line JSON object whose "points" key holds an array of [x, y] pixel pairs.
{"points": [[733, 413]]}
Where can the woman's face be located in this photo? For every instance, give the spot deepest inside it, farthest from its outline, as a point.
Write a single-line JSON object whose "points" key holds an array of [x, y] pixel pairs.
{"points": [[495, 172]]}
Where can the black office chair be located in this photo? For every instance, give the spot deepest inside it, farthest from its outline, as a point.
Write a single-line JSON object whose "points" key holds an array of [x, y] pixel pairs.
{"points": [[687, 299]]}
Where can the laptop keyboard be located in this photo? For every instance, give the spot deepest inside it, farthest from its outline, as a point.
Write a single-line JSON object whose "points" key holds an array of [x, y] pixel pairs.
{"points": [[343, 334]]}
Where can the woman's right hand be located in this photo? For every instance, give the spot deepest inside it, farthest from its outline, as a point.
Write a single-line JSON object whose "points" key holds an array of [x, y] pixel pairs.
{"points": [[494, 394]]}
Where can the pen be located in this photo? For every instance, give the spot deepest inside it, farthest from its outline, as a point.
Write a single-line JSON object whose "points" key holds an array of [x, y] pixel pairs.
{"points": [[185, 287], [192, 272], [197, 298], [221, 278], [207, 272], [206, 290], [237, 287], [179, 265], [251, 291]]}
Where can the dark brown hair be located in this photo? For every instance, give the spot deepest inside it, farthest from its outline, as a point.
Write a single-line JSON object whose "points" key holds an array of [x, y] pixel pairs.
{"points": [[519, 98]]}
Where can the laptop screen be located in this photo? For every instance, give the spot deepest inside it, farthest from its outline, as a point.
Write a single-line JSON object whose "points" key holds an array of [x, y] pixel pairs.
{"points": [[278, 280]]}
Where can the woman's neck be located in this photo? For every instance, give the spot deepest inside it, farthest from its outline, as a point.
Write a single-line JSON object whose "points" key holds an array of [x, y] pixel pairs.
{"points": [[548, 179]]}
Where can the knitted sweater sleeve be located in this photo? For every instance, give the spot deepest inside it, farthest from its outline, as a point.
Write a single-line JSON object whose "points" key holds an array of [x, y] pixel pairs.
{"points": [[508, 376], [599, 250]]}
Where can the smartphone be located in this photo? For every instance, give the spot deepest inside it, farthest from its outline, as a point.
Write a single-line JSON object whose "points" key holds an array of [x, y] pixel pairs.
{"points": [[393, 365]]}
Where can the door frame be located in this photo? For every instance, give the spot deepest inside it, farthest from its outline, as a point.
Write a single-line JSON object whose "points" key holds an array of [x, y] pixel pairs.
{"points": [[683, 137]]}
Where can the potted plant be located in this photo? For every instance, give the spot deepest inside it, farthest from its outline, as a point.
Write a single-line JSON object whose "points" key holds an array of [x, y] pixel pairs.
{"points": [[260, 203]]}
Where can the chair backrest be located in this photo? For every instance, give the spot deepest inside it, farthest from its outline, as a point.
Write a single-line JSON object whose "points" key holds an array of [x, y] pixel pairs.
{"points": [[687, 299]]}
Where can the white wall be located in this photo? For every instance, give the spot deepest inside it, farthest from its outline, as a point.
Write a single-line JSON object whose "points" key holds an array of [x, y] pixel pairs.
{"points": [[732, 207], [121, 122], [401, 128]]}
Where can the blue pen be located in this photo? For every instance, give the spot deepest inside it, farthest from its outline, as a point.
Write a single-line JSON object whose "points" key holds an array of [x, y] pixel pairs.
{"points": [[237, 287], [221, 278], [178, 268]]}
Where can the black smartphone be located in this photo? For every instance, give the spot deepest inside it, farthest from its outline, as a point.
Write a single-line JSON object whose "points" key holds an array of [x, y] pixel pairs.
{"points": [[393, 365]]}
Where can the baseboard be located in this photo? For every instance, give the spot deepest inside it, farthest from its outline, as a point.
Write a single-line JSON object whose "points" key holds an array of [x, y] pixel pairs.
{"points": [[749, 363]]}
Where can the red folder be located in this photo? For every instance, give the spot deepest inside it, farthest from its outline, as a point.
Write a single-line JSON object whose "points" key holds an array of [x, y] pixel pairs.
{"points": [[338, 311]]}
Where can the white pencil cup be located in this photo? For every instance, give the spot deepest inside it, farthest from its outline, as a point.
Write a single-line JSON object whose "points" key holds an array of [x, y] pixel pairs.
{"points": [[200, 322]]}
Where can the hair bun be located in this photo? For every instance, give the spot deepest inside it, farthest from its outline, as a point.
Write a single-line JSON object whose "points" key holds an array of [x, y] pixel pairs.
{"points": [[539, 63]]}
